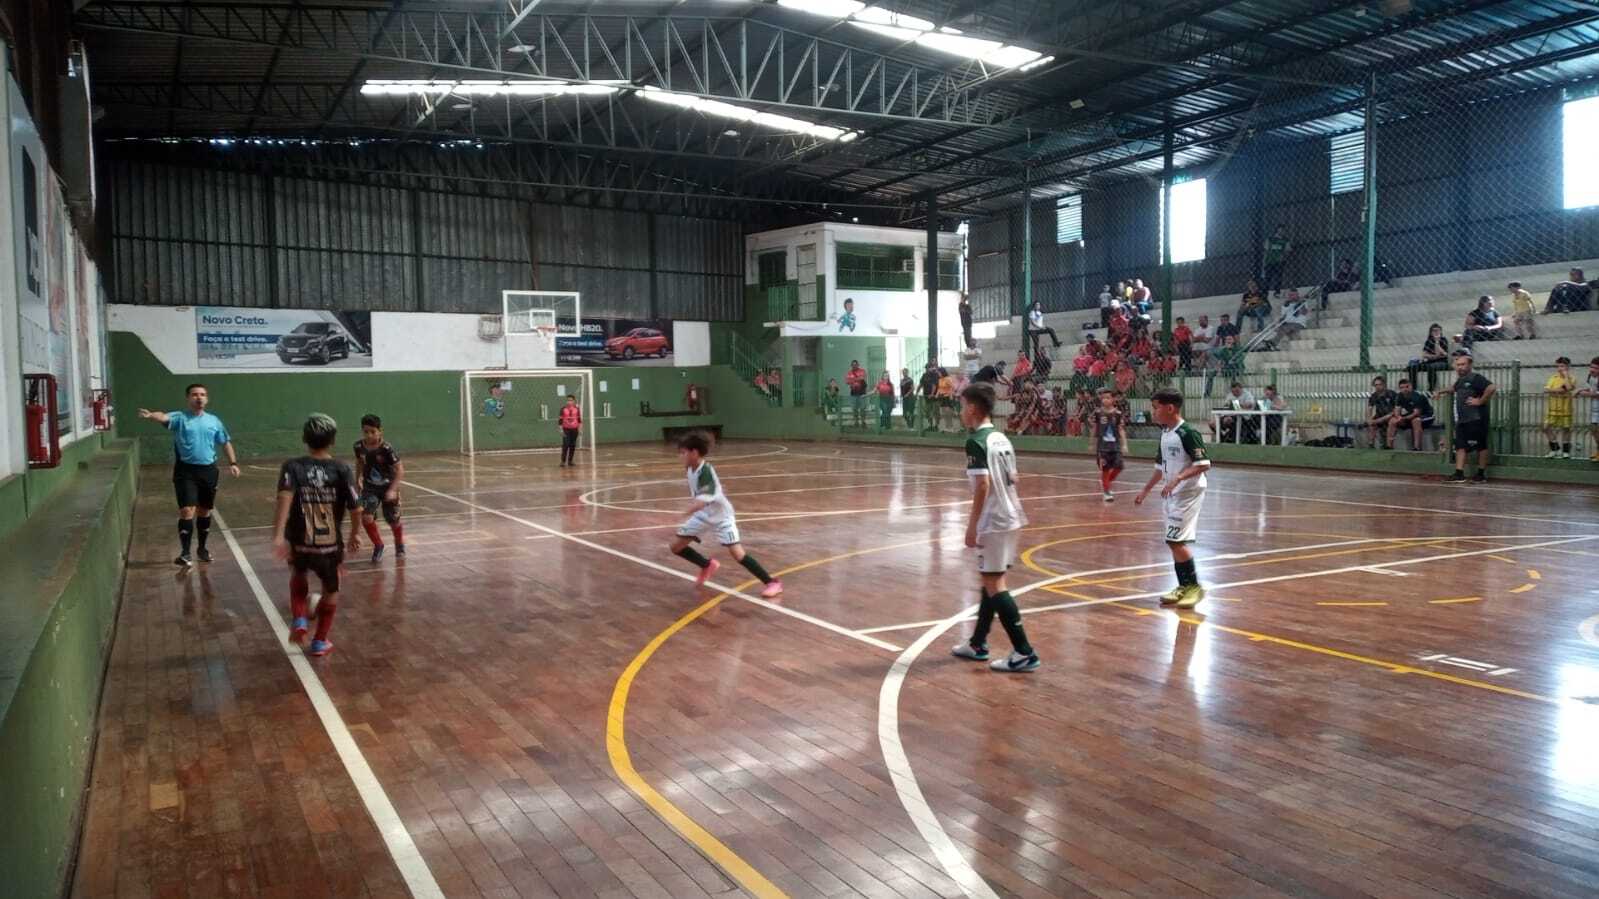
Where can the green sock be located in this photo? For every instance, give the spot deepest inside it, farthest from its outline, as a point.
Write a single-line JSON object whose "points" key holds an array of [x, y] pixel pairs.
{"points": [[754, 567], [1010, 618], [698, 560]]}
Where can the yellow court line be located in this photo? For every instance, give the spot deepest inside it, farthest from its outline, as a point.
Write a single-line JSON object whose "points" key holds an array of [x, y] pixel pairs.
{"points": [[1523, 588], [1351, 604], [1534, 574], [1445, 602]]}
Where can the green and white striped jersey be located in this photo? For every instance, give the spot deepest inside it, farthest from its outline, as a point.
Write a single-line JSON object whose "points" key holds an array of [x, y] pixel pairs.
{"points": [[989, 454], [1180, 447], [704, 485]]}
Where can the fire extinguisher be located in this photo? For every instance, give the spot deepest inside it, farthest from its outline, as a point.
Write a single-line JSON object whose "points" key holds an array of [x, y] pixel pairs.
{"points": [[44, 444], [102, 410]]}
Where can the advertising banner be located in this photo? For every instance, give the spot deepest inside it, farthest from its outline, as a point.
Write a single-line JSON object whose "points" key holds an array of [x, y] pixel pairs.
{"points": [[229, 337], [616, 341]]}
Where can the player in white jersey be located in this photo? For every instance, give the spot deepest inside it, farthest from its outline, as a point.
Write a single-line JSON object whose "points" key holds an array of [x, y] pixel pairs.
{"points": [[1181, 468], [712, 514], [994, 529]]}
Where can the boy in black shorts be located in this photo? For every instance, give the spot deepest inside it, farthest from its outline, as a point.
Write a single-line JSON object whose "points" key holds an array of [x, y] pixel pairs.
{"points": [[1108, 428], [379, 471], [1471, 394], [314, 492]]}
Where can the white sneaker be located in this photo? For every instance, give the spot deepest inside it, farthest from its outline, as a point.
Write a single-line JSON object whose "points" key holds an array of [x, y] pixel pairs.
{"points": [[1110, 497], [1565, 455], [968, 651], [1552, 454], [1015, 663]]}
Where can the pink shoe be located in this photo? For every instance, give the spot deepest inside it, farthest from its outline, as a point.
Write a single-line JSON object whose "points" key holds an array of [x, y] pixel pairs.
{"points": [[706, 572], [775, 588]]}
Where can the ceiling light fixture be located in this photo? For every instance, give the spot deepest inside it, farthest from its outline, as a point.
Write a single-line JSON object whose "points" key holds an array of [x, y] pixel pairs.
{"points": [[414, 87]]}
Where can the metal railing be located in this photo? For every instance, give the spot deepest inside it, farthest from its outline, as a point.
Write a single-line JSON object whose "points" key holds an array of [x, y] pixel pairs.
{"points": [[866, 279]]}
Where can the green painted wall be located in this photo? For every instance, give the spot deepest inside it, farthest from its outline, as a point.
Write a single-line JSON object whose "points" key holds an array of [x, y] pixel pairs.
{"points": [[23, 493], [420, 410], [63, 577]]}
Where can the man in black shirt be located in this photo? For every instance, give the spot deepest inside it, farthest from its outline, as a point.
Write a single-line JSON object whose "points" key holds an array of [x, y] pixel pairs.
{"points": [[1412, 412], [1379, 411], [929, 387], [1225, 330], [966, 320], [990, 374], [314, 493], [1471, 394], [907, 397]]}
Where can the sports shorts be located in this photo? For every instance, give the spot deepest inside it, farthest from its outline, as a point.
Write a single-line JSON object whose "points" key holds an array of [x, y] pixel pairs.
{"points": [[324, 565], [1471, 435], [997, 550], [372, 502], [1182, 515], [701, 524], [1557, 419], [1109, 459], [195, 485]]}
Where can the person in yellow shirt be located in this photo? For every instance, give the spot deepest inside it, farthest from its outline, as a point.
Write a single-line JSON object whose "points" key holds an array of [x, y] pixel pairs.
{"points": [[1523, 313], [1559, 390]]}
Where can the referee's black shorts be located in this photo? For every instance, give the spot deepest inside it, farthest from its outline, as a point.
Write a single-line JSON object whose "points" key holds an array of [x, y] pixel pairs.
{"points": [[195, 485]]}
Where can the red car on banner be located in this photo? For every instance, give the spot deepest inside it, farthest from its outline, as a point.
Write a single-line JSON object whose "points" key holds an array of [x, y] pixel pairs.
{"points": [[638, 342]]}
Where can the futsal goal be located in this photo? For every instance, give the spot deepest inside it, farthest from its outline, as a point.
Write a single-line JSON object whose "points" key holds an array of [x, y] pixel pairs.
{"points": [[519, 411]]}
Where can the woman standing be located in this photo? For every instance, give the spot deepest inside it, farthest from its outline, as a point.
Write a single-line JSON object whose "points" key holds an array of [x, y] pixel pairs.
{"points": [[885, 402]]}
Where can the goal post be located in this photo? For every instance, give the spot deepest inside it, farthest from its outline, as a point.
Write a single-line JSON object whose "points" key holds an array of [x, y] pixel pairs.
{"points": [[518, 411]]}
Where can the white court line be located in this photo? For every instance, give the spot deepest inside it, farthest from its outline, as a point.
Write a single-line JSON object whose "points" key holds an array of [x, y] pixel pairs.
{"points": [[617, 505], [809, 619], [1589, 630], [413, 868], [898, 763]]}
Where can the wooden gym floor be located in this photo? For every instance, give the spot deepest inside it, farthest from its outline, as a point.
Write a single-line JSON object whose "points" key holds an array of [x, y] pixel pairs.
{"points": [[1392, 691]]}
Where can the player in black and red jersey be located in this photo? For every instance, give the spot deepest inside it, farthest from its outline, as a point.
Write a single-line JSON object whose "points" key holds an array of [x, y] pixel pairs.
{"points": [[379, 472], [314, 493]]}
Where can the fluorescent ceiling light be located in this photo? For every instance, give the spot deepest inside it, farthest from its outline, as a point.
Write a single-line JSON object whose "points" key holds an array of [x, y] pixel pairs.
{"points": [[832, 9], [958, 44], [879, 16], [910, 29], [898, 34], [414, 87], [745, 114], [1042, 60]]}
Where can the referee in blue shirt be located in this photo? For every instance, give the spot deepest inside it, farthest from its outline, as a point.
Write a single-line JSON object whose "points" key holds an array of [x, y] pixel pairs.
{"points": [[196, 434]]}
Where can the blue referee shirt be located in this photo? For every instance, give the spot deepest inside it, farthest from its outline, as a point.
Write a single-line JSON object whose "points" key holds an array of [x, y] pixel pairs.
{"points": [[195, 438]]}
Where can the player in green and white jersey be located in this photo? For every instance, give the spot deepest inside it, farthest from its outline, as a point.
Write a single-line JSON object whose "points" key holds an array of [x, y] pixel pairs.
{"points": [[994, 529], [712, 514], [1181, 468]]}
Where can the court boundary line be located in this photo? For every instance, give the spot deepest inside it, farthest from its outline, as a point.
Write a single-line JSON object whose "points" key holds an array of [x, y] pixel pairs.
{"points": [[682, 575], [390, 826]]}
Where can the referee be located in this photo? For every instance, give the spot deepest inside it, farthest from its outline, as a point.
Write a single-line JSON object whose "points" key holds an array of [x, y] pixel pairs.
{"points": [[196, 434]]}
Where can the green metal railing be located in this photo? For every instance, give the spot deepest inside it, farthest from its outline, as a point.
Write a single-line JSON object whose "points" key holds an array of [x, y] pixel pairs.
{"points": [[788, 303]]}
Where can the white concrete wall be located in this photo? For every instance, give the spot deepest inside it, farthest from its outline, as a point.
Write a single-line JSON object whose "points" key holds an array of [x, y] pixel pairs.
{"points": [[401, 341]]}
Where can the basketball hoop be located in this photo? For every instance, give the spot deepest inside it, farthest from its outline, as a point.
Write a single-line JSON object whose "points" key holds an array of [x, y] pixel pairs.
{"points": [[547, 334]]}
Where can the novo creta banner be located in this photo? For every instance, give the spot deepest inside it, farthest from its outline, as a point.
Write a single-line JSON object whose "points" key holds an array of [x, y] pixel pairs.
{"points": [[228, 337], [616, 341]]}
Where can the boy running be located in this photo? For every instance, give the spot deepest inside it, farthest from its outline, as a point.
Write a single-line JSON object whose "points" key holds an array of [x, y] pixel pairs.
{"points": [[571, 424], [712, 513], [1181, 466], [994, 529], [314, 492], [1110, 441], [378, 470]]}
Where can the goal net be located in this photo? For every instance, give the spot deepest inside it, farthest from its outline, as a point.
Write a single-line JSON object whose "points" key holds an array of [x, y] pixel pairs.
{"points": [[519, 411]]}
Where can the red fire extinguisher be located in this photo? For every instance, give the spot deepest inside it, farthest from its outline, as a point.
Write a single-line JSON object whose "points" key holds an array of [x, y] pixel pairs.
{"points": [[44, 442], [102, 410]]}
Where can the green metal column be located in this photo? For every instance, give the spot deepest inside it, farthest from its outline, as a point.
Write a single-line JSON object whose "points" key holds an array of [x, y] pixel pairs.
{"points": [[1027, 251], [932, 277], [1165, 241], [1368, 214]]}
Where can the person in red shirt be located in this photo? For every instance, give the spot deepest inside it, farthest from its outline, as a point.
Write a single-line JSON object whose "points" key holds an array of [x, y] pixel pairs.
{"points": [[571, 422], [1143, 348], [1020, 372], [855, 380], [885, 402], [1182, 338]]}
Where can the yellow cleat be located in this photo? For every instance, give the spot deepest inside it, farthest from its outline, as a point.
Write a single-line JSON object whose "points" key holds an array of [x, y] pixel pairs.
{"points": [[1172, 596], [1191, 596]]}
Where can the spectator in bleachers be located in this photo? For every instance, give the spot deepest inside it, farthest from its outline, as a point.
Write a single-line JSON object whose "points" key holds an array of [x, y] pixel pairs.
{"points": [[1239, 399], [1558, 391], [1204, 339], [1143, 349], [832, 399], [1254, 305], [1276, 255], [1296, 316], [1120, 327], [1043, 364], [1483, 323], [1413, 413], [907, 398], [1274, 402], [1020, 372], [760, 383], [855, 380], [1434, 358], [1182, 339], [965, 309], [1522, 312], [1347, 277], [1575, 294], [1227, 361], [1104, 306], [1093, 347], [1380, 411], [1592, 391], [1080, 413], [1035, 317], [1125, 376], [774, 385], [1225, 329]]}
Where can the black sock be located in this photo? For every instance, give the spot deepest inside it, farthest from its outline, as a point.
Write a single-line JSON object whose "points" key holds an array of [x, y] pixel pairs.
{"points": [[1010, 618], [1187, 576], [203, 524], [754, 567], [185, 531], [985, 620], [1460, 472], [1553, 446], [1565, 447], [688, 553]]}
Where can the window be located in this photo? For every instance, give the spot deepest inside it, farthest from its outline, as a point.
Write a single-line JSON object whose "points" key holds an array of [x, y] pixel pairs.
{"points": [[949, 271], [1346, 162], [1069, 219], [866, 266], [1581, 137], [1187, 221], [772, 268]]}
